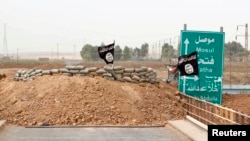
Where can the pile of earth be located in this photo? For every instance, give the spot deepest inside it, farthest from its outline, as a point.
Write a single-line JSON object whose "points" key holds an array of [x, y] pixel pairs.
{"points": [[63, 100], [2, 76], [83, 100]]}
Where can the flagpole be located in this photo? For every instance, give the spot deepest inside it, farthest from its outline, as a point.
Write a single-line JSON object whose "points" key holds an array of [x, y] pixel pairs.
{"points": [[113, 58], [113, 62]]}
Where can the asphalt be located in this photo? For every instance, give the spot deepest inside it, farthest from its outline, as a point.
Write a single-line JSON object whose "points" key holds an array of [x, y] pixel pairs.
{"points": [[192, 129]]}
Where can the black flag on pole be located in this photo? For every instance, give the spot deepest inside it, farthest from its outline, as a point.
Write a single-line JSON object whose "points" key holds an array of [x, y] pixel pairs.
{"points": [[188, 64], [107, 53]]}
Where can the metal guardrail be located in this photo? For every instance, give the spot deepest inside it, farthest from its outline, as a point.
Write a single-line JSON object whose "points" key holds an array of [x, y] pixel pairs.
{"points": [[209, 113], [236, 89]]}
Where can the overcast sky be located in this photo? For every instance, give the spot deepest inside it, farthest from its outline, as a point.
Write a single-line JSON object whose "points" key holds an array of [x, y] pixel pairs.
{"points": [[38, 25]]}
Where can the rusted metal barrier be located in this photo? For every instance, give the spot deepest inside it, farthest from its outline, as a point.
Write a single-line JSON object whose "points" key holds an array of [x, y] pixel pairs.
{"points": [[209, 113]]}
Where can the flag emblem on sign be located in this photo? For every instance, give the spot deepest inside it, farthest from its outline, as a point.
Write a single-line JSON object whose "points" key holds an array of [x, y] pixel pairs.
{"points": [[188, 64]]}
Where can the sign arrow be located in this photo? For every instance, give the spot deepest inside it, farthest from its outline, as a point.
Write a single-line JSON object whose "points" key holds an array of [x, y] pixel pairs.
{"points": [[195, 78], [186, 42]]}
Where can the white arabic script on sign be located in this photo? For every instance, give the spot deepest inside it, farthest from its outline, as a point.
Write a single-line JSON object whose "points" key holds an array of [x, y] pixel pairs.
{"points": [[206, 61], [204, 40]]}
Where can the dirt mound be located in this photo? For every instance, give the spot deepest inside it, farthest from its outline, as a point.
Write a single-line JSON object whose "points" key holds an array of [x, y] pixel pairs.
{"points": [[2, 76], [83, 100], [63, 100], [238, 102]]}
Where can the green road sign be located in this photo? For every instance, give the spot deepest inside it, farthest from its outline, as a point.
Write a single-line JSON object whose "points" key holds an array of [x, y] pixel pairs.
{"points": [[207, 85]]}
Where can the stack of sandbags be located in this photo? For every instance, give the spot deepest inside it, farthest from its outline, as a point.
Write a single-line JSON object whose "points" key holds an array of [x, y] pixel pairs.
{"points": [[119, 73]]}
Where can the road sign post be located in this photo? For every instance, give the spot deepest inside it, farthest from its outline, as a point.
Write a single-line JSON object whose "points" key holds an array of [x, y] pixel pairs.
{"points": [[207, 85]]}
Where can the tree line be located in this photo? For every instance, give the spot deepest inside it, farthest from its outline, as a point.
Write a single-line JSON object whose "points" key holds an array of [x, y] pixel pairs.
{"points": [[90, 53]]}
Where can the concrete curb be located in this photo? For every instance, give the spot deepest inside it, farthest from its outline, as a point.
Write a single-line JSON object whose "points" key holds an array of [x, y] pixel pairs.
{"points": [[198, 123], [189, 129], [2, 123]]}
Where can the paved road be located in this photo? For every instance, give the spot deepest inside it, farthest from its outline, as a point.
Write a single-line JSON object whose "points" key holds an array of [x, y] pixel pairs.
{"points": [[168, 133]]}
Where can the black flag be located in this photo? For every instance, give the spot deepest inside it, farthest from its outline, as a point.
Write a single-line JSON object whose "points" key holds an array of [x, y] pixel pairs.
{"points": [[188, 64], [107, 53]]}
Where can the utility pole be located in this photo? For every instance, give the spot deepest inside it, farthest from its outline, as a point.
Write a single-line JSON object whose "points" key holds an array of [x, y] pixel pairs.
{"points": [[17, 55], [52, 54], [246, 39], [5, 47], [160, 50], [74, 53], [57, 51], [246, 45], [153, 51], [156, 51]]}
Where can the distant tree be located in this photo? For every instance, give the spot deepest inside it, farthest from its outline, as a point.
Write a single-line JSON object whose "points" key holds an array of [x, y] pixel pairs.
{"points": [[117, 53], [167, 51], [136, 53], [126, 53], [144, 49], [86, 52], [94, 53], [233, 48]]}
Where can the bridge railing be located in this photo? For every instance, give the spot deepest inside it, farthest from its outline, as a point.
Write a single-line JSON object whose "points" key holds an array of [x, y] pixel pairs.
{"points": [[209, 113]]}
